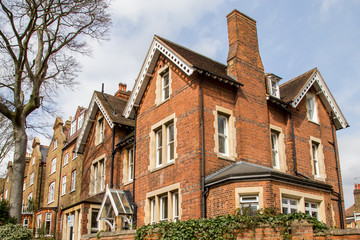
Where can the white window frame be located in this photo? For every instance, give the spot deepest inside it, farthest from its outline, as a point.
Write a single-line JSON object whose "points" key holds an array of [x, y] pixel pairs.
{"points": [[152, 211], [33, 160], [75, 155], [73, 180], [170, 142], [24, 186], [164, 207], [165, 88], [175, 206], [310, 209], [95, 177], [275, 157], [6, 193], [66, 159], [290, 207], [224, 135], [250, 200], [101, 130], [73, 128], [63, 185], [80, 121], [53, 166], [312, 108], [48, 217], [31, 179], [274, 88], [102, 175], [51, 195], [55, 144], [26, 222], [315, 158], [130, 164], [159, 146]]}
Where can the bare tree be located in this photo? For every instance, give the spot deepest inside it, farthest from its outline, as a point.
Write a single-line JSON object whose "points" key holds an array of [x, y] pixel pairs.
{"points": [[38, 42], [7, 138]]}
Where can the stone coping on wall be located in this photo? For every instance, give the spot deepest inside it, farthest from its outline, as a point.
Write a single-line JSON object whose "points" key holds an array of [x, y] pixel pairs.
{"points": [[103, 235]]}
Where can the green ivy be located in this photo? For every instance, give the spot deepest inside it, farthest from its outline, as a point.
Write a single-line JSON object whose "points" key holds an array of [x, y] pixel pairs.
{"points": [[5, 217], [226, 227]]}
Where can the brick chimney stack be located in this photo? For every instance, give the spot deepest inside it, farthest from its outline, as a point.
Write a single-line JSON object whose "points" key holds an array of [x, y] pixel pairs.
{"points": [[243, 46], [122, 93], [357, 195]]}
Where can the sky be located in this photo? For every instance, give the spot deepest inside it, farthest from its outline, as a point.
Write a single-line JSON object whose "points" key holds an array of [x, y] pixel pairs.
{"points": [[294, 37]]}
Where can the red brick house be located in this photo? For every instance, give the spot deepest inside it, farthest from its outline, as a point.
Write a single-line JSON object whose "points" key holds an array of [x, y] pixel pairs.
{"points": [[211, 138], [103, 128]]}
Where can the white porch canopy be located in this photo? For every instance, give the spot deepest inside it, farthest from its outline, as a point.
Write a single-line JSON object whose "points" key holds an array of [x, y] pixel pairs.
{"points": [[115, 203]]}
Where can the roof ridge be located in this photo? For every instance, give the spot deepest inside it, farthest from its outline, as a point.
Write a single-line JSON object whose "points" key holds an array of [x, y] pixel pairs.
{"points": [[188, 49], [295, 78], [109, 95]]}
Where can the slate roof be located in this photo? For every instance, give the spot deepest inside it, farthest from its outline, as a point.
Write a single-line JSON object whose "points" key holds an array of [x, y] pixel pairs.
{"points": [[291, 89], [114, 107], [245, 171], [199, 61]]}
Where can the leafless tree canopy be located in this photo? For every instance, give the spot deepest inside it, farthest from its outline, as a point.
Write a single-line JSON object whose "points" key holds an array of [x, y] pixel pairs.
{"points": [[38, 42], [7, 138], [35, 39]]}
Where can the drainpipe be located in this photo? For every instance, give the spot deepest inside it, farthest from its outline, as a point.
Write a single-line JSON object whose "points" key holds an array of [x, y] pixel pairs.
{"points": [[293, 143], [42, 167], [112, 158], [58, 206], [203, 192], [341, 211], [133, 184]]}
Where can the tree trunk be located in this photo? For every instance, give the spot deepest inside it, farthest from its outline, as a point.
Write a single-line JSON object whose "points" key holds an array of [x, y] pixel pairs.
{"points": [[17, 178]]}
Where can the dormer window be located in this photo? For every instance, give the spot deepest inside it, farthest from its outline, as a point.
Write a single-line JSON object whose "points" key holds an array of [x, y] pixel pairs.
{"points": [[311, 108], [274, 85]]}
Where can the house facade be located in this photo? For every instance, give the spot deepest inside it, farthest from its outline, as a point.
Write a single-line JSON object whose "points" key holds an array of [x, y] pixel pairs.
{"points": [[211, 138], [196, 138]]}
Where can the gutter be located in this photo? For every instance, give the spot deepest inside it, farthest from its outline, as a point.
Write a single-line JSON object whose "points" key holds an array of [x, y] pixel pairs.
{"points": [[339, 195], [113, 152], [133, 183]]}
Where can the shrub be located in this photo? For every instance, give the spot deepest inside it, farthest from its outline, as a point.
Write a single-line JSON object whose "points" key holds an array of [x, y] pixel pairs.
{"points": [[5, 213], [15, 232]]}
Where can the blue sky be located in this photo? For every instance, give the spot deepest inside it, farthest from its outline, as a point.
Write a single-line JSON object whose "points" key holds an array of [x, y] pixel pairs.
{"points": [[294, 36]]}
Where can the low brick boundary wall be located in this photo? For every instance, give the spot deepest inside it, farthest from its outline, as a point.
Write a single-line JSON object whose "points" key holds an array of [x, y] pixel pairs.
{"points": [[300, 231]]}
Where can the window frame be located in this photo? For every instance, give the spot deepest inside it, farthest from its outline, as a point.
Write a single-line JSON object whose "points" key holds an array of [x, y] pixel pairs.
{"points": [[63, 185], [315, 158], [73, 128], [80, 121], [311, 106], [66, 159], [159, 147], [164, 208], [250, 203], [101, 129], [48, 215], [31, 180], [175, 206], [53, 166], [51, 193], [131, 156], [102, 175], [288, 205], [224, 134], [165, 88], [275, 150], [73, 180], [310, 209], [170, 142], [152, 211]]}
